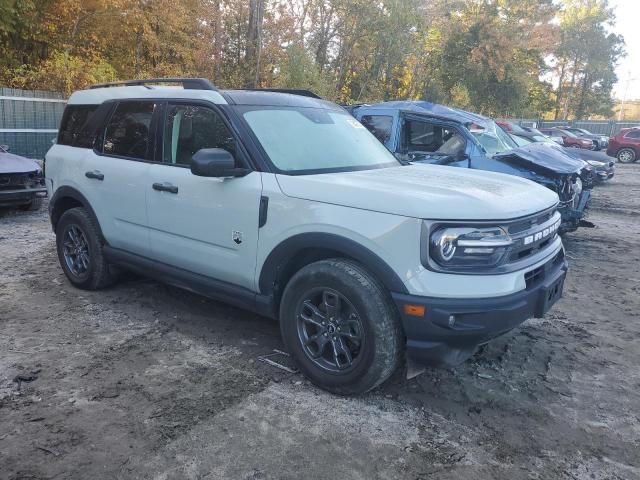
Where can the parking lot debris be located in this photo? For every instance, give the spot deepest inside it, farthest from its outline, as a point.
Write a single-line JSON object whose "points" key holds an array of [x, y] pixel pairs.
{"points": [[267, 359], [48, 450], [20, 378]]}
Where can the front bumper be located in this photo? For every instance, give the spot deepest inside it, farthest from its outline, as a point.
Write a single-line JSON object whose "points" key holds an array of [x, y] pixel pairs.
{"points": [[20, 196], [451, 329]]}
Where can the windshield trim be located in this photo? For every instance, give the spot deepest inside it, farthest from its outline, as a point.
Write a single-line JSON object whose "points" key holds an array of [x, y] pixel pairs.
{"points": [[240, 110]]}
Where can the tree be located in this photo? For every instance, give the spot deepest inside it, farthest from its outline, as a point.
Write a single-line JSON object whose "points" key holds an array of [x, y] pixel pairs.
{"points": [[585, 59]]}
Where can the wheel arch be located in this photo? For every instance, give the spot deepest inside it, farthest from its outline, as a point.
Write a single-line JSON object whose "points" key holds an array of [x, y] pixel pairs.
{"points": [[299, 250], [66, 198]]}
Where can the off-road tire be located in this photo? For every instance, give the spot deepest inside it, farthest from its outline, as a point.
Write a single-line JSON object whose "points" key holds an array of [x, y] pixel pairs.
{"points": [[382, 350], [99, 274], [626, 155]]}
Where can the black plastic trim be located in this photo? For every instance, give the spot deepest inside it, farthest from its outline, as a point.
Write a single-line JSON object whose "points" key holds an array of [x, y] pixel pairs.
{"points": [[435, 339], [70, 192], [263, 212], [292, 91], [200, 284], [289, 248]]}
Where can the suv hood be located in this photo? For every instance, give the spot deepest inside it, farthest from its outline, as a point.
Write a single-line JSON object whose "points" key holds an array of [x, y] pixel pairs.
{"points": [[425, 191], [10, 163], [542, 157]]}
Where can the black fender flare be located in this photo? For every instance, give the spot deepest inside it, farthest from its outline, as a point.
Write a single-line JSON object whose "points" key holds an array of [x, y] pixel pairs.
{"points": [[285, 251], [70, 192]]}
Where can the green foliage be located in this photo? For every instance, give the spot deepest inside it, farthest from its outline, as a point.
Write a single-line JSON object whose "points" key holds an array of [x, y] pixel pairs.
{"points": [[299, 70], [585, 57], [484, 55]]}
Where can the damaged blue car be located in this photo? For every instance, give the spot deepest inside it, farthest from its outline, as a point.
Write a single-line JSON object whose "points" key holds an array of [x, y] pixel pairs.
{"points": [[419, 131]]}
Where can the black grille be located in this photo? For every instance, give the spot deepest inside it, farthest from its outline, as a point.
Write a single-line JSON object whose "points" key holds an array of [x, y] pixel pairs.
{"points": [[12, 181], [528, 228], [529, 223], [533, 277]]}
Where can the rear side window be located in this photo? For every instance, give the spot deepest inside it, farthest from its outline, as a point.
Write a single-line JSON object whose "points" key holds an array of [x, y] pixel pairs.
{"points": [[75, 129], [633, 134], [128, 133], [379, 125]]}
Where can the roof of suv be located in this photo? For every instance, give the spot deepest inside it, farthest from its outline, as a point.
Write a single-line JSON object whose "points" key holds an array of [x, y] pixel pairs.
{"points": [[99, 94]]}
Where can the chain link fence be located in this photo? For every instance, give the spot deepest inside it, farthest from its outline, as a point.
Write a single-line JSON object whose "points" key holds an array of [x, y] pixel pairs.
{"points": [[29, 120]]}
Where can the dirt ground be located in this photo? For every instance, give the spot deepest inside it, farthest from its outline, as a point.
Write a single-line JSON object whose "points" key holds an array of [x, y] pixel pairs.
{"points": [[147, 381]]}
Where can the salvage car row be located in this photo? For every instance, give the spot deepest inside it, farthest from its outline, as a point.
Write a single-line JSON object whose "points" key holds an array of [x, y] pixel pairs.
{"points": [[285, 204]]}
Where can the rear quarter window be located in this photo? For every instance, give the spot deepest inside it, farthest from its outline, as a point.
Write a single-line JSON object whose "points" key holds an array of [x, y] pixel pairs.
{"points": [[379, 125], [75, 129]]}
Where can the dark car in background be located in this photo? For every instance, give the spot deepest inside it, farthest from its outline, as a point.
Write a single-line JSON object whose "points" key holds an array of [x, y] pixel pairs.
{"points": [[567, 139], [529, 133], [625, 145], [600, 142], [21, 181], [424, 132], [603, 169]]}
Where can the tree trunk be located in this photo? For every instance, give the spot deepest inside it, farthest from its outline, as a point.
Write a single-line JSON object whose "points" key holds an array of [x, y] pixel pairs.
{"points": [[559, 92], [565, 113], [583, 91], [217, 41], [254, 43]]}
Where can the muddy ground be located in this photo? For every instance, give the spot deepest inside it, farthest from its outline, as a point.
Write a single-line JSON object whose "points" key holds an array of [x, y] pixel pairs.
{"points": [[147, 381]]}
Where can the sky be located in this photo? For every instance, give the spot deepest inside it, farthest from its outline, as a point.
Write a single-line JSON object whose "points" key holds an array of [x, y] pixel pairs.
{"points": [[628, 25]]}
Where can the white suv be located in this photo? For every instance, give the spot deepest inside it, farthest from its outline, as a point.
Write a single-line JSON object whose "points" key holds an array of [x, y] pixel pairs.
{"points": [[286, 205]]}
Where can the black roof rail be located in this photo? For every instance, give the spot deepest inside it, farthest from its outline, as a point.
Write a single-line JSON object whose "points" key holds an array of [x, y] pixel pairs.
{"points": [[187, 83], [292, 91]]}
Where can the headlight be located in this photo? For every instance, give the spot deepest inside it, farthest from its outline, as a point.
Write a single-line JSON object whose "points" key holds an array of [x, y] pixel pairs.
{"points": [[596, 163], [468, 247]]}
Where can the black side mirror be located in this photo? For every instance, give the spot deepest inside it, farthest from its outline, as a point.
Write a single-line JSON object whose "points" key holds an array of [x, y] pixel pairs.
{"points": [[215, 162]]}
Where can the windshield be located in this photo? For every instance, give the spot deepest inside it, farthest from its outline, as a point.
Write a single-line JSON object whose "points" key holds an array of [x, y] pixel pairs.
{"points": [[492, 138], [520, 141], [301, 140]]}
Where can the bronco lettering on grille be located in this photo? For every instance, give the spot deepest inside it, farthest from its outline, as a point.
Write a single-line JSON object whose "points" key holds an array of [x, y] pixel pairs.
{"points": [[542, 234]]}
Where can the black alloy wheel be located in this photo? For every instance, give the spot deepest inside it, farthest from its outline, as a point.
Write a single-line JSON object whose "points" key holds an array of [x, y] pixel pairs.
{"points": [[76, 251], [330, 330]]}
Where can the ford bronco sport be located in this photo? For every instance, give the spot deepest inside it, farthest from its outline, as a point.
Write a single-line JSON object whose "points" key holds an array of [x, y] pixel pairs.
{"points": [[286, 205]]}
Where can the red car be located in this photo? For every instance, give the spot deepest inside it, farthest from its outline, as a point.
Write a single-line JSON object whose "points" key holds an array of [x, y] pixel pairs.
{"points": [[625, 145], [567, 139]]}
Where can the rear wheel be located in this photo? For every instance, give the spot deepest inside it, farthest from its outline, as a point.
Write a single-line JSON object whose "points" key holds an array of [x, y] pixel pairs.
{"points": [[80, 251], [626, 155], [341, 326]]}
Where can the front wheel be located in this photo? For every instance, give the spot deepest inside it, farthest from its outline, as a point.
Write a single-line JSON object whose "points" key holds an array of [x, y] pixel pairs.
{"points": [[626, 155], [341, 326]]}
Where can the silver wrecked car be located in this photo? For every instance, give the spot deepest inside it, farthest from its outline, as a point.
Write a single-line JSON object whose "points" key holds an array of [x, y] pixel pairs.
{"points": [[21, 181]]}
